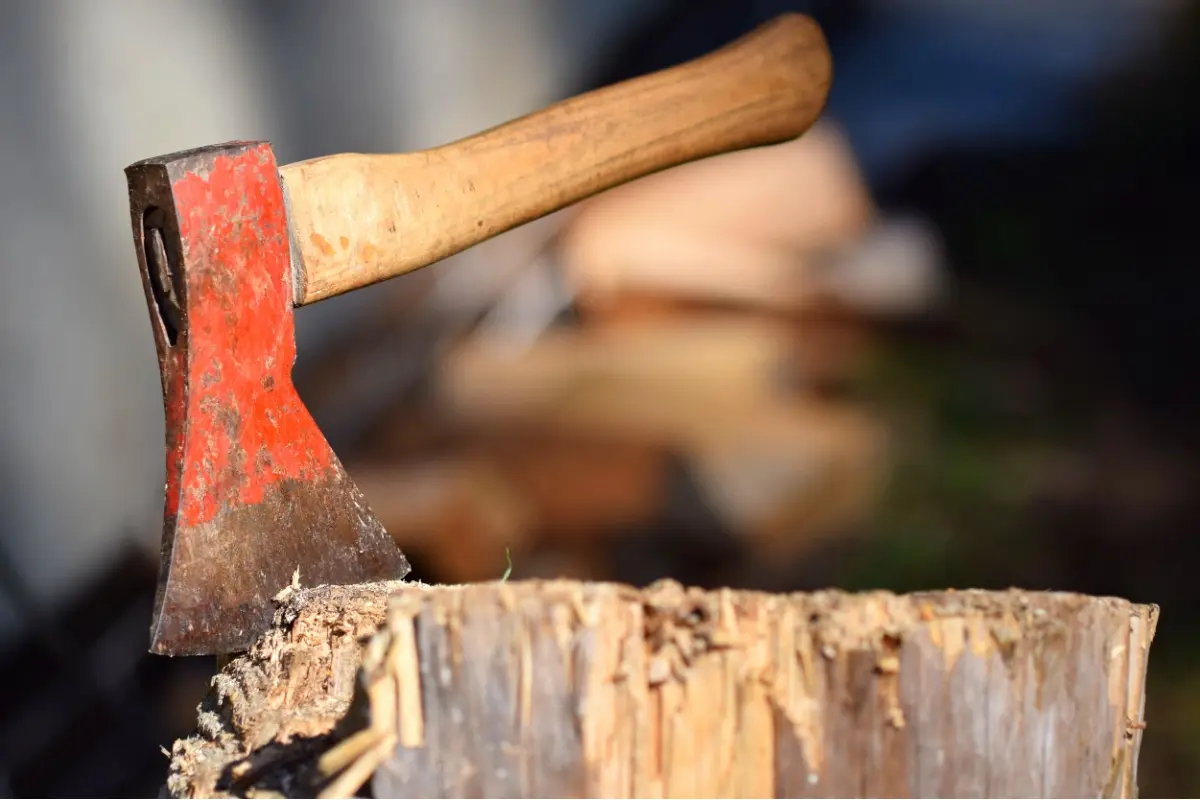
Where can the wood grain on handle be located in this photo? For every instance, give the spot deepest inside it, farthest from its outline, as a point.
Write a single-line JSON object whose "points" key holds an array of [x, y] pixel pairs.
{"points": [[359, 219]]}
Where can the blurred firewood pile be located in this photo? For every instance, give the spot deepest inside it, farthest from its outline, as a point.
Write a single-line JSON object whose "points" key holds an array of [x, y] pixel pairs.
{"points": [[677, 354]]}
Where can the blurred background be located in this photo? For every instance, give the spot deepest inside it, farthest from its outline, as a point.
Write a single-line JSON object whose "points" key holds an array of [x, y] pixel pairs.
{"points": [[939, 341]]}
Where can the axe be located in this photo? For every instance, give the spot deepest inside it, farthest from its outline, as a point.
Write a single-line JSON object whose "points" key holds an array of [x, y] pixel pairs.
{"points": [[229, 243]]}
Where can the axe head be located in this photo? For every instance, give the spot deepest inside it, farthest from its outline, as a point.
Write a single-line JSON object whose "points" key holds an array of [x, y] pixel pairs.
{"points": [[254, 493]]}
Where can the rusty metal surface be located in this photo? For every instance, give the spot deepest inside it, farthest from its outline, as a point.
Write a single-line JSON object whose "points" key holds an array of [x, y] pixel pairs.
{"points": [[254, 492]]}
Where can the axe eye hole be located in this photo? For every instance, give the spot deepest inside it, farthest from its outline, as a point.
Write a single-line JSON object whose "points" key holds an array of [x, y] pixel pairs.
{"points": [[162, 277]]}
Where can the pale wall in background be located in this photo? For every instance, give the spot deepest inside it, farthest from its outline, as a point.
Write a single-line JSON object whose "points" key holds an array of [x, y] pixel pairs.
{"points": [[88, 87]]}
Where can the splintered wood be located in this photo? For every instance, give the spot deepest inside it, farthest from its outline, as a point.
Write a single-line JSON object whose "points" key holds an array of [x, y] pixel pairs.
{"points": [[562, 689]]}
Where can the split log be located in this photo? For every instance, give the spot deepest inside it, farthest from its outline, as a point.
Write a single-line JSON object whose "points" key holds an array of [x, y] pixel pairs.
{"points": [[562, 689], [780, 476], [788, 477], [460, 509], [827, 347], [669, 383], [738, 225], [619, 378]]}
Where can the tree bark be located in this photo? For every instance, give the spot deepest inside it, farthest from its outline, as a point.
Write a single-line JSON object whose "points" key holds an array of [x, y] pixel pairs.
{"points": [[561, 689]]}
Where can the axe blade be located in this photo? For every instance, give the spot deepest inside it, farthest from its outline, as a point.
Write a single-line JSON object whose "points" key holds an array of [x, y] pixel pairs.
{"points": [[254, 492]]}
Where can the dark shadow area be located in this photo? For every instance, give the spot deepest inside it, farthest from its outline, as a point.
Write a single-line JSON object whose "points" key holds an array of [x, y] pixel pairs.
{"points": [[88, 709]]}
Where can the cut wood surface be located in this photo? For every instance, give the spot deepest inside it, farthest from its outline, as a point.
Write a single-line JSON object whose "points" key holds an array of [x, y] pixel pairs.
{"points": [[563, 689]]}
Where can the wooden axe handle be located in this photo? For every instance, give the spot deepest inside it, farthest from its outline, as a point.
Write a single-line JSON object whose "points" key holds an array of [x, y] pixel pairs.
{"points": [[359, 219]]}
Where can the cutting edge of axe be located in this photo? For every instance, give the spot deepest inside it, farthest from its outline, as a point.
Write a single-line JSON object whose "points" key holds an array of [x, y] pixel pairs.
{"points": [[228, 243]]}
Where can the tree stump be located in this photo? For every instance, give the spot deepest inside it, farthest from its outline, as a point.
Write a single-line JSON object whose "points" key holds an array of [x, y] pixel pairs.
{"points": [[565, 689]]}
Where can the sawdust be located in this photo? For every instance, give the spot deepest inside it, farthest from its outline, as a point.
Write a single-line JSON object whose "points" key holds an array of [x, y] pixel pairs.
{"points": [[270, 711]]}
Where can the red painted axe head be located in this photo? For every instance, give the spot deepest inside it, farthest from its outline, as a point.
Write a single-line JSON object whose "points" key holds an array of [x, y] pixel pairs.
{"points": [[254, 492]]}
